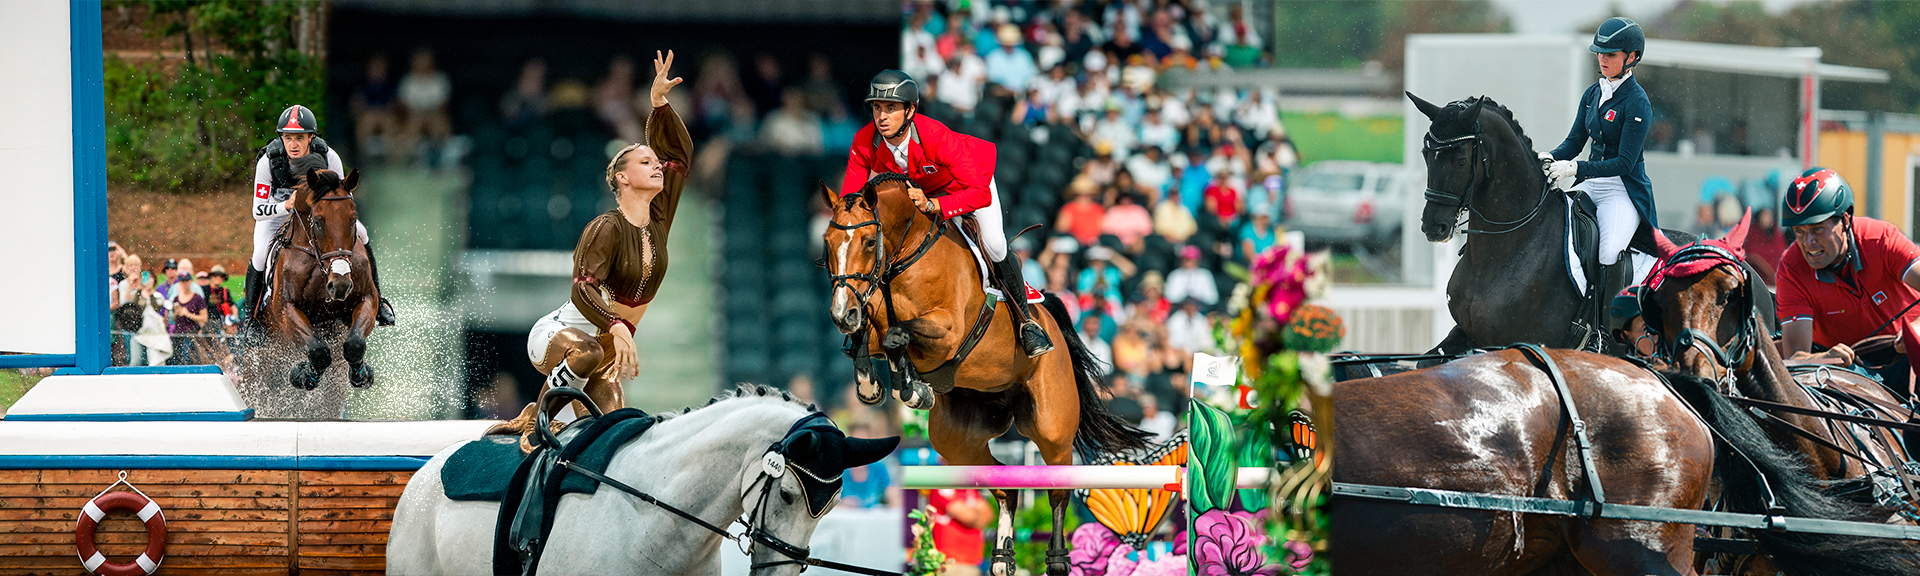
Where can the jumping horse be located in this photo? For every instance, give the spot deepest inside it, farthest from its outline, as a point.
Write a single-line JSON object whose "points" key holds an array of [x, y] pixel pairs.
{"points": [[1701, 303], [1567, 425], [933, 317], [322, 274], [1512, 283]]}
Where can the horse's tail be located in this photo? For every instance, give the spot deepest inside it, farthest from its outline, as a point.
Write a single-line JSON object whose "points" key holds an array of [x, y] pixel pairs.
{"points": [[1100, 431], [1796, 489]]}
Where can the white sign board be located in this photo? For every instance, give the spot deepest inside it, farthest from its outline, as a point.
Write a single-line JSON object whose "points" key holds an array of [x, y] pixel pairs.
{"points": [[36, 178]]}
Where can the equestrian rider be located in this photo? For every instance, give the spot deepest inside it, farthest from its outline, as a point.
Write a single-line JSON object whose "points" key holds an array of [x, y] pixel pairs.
{"points": [[954, 168], [274, 178], [617, 266], [1629, 329], [1613, 115], [1844, 277]]}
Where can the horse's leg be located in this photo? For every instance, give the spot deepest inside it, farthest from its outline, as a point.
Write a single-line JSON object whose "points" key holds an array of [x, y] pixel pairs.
{"points": [[1052, 421], [354, 350], [297, 328], [959, 429], [930, 335], [864, 386]]}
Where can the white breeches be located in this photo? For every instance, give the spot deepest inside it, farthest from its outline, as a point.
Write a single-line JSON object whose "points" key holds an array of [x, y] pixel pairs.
{"points": [[993, 234], [263, 231], [567, 316], [1618, 218]]}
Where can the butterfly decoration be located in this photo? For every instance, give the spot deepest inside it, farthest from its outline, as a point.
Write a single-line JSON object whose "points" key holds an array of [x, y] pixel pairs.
{"points": [[1133, 513], [1303, 436]]}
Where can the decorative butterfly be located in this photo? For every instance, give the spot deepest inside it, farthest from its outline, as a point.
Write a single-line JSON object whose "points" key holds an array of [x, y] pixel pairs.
{"points": [[1133, 513], [1303, 436]]}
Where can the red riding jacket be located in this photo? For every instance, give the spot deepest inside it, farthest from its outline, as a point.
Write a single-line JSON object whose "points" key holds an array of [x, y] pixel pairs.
{"points": [[939, 161]]}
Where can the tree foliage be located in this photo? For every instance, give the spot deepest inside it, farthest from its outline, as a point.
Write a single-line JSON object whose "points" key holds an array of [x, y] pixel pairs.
{"points": [[191, 126]]}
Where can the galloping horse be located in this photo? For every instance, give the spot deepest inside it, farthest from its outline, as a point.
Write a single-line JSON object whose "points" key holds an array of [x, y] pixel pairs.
{"points": [[322, 274], [1495, 423], [1701, 302], [930, 316], [1511, 284]]}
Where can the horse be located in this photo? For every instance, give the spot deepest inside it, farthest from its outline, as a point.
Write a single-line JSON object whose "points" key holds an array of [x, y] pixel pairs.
{"points": [[1511, 284], [1701, 303], [1495, 423], [322, 275], [710, 462], [925, 322]]}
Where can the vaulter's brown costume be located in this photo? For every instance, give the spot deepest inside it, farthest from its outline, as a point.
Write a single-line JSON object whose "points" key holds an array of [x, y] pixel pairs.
{"points": [[615, 261]]}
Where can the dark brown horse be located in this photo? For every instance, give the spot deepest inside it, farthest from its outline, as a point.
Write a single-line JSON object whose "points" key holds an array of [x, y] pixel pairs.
{"points": [[322, 275], [1701, 303], [1494, 423], [907, 285]]}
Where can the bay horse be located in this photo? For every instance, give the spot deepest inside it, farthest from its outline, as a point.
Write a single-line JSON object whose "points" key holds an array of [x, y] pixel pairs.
{"points": [[321, 275], [1511, 284], [1700, 302], [1494, 423], [930, 300]]}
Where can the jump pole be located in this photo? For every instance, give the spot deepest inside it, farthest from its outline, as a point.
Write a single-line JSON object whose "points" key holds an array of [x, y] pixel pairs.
{"points": [[1062, 477]]}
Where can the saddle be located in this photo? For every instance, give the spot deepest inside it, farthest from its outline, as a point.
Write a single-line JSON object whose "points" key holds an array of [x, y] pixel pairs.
{"points": [[528, 496]]}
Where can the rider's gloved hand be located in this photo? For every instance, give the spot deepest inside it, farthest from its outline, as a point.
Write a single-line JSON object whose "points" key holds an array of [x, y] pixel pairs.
{"points": [[1562, 169], [1545, 158]]}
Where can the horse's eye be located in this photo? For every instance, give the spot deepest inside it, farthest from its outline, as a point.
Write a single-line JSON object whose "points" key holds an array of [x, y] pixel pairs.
{"points": [[786, 496], [870, 241]]}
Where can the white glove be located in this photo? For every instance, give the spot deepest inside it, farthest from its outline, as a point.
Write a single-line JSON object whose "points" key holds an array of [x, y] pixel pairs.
{"points": [[1545, 158], [1562, 169]]}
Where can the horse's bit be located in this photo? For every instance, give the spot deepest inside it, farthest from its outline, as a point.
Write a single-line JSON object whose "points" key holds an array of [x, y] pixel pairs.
{"points": [[1463, 201]]}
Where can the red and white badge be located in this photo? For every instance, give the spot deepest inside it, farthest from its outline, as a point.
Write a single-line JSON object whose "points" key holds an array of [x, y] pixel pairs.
{"points": [[260, 191], [1610, 115]]}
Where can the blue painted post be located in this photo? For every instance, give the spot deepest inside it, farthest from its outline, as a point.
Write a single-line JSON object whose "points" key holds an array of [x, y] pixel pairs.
{"points": [[91, 347]]}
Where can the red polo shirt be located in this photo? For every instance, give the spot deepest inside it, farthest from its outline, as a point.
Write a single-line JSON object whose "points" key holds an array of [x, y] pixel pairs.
{"points": [[1847, 306], [940, 161]]}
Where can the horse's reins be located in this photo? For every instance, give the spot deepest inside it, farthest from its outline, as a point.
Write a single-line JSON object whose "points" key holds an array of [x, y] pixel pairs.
{"points": [[1463, 201], [754, 532]]}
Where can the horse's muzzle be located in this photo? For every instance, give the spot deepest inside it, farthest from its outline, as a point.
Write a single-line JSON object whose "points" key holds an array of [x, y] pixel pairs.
{"points": [[339, 288], [848, 316]]}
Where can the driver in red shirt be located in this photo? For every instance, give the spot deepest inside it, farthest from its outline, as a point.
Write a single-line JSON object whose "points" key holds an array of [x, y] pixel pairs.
{"points": [[951, 174], [1844, 277]]}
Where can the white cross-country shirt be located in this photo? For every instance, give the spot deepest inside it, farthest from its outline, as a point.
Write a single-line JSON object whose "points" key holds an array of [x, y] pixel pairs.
{"points": [[267, 199]]}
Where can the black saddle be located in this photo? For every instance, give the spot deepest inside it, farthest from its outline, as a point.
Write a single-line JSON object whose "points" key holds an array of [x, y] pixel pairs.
{"points": [[533, 492]]}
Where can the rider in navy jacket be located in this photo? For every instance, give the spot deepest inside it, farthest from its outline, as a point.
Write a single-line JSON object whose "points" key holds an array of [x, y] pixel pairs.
{"points": [[1614, 114]]}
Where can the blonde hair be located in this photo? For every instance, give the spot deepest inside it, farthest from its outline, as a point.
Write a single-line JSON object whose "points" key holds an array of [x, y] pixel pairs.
{"points": [[618, 164]]}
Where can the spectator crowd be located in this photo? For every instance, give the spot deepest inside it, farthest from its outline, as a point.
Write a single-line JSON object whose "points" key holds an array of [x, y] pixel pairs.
{"points": [[172, 315]]}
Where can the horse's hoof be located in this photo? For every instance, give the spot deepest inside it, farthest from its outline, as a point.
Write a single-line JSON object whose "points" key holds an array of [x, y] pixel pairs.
{"points": [[359, 375], [896, 338], [867, 389], [917, 396], [304, 377], [1057, 560], [1003, 563]]}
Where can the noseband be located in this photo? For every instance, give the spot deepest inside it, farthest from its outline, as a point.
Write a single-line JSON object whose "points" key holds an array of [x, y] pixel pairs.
{"points": [[1481, 167], [1744, 339]]}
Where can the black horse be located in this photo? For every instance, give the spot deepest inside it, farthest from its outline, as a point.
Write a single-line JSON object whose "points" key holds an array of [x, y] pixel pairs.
{"points": [[1511, 284]]}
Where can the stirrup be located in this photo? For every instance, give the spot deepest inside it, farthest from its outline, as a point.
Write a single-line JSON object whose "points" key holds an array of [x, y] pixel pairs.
{"points": [[1034, 340]]}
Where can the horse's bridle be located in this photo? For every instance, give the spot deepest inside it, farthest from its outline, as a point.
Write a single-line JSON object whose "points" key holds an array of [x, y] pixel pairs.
{"points": [[1744, 337], [1432, 146], [313, 235], [774, 464], [881, 277]]}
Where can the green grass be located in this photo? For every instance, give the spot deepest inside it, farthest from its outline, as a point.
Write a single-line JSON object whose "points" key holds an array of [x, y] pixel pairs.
{"points": [[1329, 136], [13, 385]]}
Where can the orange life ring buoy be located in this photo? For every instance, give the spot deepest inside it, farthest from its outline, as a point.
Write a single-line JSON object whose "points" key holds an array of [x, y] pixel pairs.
{"points": [[149, 512]]}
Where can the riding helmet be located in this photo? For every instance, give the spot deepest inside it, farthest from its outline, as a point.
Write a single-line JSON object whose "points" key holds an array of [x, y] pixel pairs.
{"points": [[1818, 194], [1619, 33], [1626, 305], [893, 86], [297, 119]]}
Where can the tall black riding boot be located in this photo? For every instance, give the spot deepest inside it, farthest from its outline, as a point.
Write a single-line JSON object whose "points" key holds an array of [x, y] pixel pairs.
{"points": [[250, 307], [384, 316], [1033, 339]]}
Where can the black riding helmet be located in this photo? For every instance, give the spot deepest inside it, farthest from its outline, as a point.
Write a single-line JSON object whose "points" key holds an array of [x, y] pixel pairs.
{"points": [[893, 86], [1626, 305], [297, 119], [1818, 194], [1620, 33]]}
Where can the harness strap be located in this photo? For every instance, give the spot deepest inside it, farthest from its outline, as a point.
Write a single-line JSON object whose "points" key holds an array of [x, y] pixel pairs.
{"points": [[1584, 445]]}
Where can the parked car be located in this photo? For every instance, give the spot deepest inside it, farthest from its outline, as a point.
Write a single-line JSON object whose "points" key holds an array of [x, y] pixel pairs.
{"points": [[1348, 202]]}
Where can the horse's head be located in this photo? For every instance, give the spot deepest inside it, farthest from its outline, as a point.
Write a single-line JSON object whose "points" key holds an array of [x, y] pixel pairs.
{"points": [[856, 244], [325, 206], [805, 469], [1460, 152], [1700, 303]]}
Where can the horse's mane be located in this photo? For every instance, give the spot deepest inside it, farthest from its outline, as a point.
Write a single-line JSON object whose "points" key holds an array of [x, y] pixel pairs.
{"points": [[745, 390], [1458, 123], [324, 181], [867, 191]]}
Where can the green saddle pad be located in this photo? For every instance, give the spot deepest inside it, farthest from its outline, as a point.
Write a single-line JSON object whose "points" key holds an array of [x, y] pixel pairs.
{"points": [[481, 469]]}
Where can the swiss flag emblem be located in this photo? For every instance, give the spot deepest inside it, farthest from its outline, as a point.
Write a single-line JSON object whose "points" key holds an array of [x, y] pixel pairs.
{"points": [[260, 191], [1609, 115]]}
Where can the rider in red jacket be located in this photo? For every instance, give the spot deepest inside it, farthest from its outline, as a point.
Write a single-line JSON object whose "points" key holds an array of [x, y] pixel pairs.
{"points": [[954, 168]]}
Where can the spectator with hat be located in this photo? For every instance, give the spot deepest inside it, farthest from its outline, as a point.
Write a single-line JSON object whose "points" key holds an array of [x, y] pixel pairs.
{"points": [[1083, 215], [1190, 281], [1010, 65]]}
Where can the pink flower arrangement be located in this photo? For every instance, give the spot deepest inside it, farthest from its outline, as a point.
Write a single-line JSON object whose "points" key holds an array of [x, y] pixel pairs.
{"points": [[1279, 278], [1228, 544]]}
